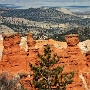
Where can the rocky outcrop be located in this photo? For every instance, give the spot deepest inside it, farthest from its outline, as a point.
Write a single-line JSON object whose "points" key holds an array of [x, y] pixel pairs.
{"points": [[75, 61], [14, 56], [32, 52], [16, 60], [72, 39]]}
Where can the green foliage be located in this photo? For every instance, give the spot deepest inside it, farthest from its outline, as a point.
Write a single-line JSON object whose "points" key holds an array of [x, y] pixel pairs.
{"points": [[23, 88], [52, 17], [46, 77]]}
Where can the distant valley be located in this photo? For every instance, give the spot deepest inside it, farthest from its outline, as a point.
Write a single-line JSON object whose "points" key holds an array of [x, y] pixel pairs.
{"points": [[45, 22]]}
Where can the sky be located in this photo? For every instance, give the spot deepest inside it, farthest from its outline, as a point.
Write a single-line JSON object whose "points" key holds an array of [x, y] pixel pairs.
{"points": [[39, 3]]}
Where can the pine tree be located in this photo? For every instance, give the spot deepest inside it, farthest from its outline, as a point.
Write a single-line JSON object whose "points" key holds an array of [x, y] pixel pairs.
{"points": [[47, 78]]}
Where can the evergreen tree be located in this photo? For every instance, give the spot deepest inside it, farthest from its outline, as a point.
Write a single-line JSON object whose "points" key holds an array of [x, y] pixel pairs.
{"points": [[48, 77]]}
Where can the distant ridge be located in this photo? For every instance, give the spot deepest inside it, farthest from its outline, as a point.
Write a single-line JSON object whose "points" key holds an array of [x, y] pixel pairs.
{"points": [[9, 6], [78, 6]]}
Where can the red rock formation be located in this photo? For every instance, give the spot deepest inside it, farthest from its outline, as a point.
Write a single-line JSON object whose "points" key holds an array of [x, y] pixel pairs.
{"points": [[13, 57], [32, 52], [74, 62], [16, 60], [72, 39]]}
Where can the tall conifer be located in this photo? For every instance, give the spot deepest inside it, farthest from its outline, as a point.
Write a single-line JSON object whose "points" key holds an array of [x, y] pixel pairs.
{"points": [[48, 77]]}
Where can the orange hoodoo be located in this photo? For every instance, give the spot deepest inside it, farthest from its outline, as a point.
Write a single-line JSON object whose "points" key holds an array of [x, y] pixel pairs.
{"points": [[15, 59]]}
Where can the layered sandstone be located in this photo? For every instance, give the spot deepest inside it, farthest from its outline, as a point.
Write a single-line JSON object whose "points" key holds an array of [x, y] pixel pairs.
{"points": [[15, 59], [14, 56]]}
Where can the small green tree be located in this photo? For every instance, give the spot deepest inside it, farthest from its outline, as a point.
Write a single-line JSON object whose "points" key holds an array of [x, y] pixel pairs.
{"points": [[48, 77]]}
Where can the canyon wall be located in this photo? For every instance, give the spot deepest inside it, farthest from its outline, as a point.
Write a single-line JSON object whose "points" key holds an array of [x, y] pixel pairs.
{"points": [[15, 59]]}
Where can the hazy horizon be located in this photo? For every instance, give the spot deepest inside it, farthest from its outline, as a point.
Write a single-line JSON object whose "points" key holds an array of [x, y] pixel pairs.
{"points": [[77, 5]]}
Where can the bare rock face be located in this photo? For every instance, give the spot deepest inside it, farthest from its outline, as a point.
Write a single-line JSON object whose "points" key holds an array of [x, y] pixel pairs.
{"points": [[13, 56], [76, 62], [72, 39], [32, 52], [16, 60], [31, 43]]}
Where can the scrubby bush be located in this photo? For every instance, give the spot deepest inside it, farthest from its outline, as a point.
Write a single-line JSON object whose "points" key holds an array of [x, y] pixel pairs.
{"points": [[10, 84]]}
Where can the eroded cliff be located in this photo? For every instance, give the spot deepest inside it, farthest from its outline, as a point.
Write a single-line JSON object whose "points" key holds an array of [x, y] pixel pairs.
{"points": [[15, 59]]}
